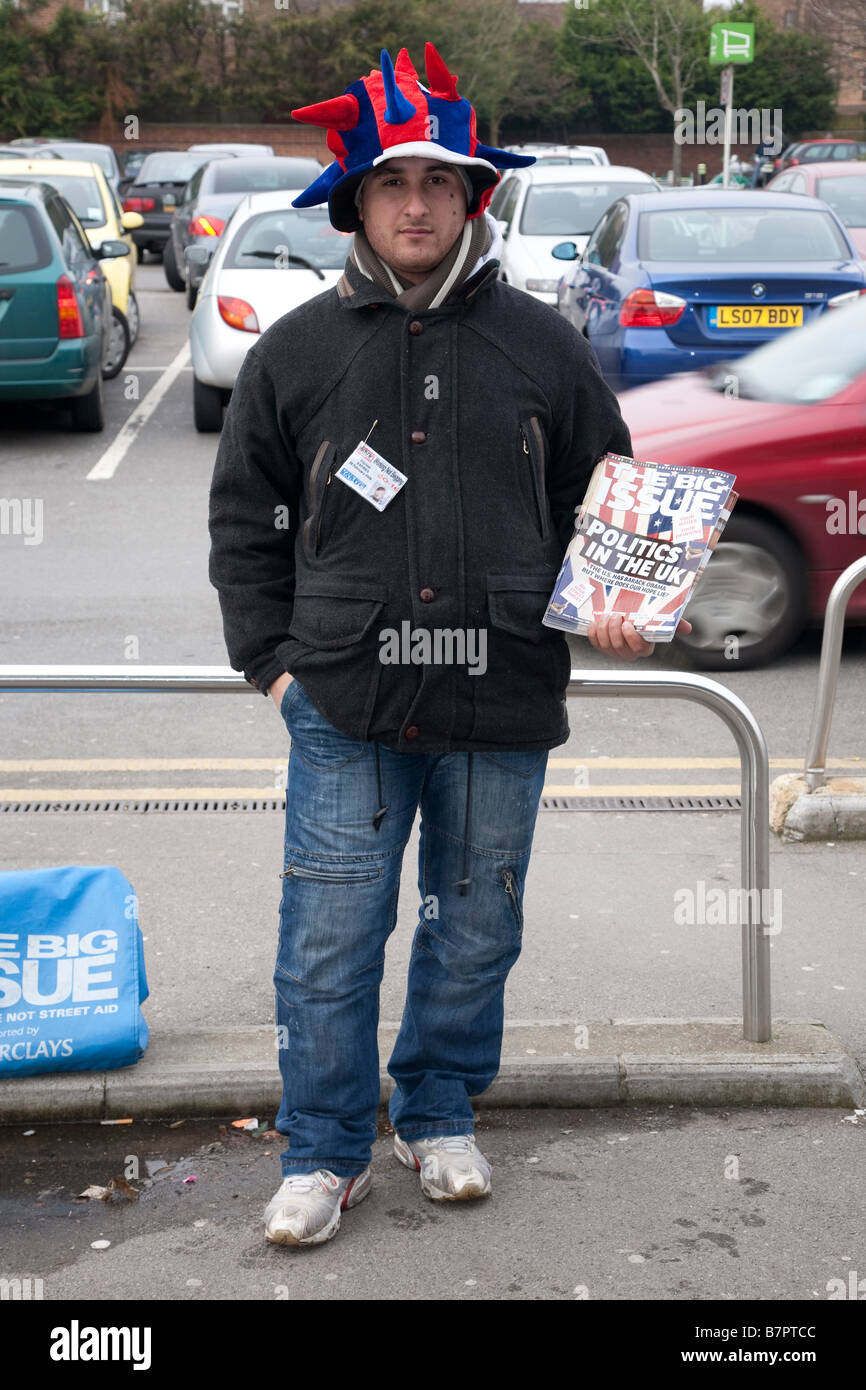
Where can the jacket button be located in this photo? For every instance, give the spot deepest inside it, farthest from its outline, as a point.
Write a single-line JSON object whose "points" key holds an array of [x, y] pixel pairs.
{"points": [[426, 595], [415, 328], [418, 436], [412, 731]]}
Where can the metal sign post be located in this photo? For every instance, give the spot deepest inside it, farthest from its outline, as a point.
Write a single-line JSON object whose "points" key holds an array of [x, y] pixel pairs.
{"points": [[729, 44]]}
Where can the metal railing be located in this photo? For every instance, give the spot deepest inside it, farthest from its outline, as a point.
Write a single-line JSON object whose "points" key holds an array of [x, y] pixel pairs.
{"points": [[754, 773], [828, 671]]}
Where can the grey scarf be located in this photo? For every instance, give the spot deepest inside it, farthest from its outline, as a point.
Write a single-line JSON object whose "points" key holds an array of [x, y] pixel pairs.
{"points": [[452, 270]]}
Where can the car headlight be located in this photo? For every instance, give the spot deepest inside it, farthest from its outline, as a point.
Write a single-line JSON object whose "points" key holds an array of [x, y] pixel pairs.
{"points": [[542, 286]]}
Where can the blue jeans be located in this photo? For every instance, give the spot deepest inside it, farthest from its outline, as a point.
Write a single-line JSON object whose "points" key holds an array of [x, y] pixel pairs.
{"points": [[339, 906]]}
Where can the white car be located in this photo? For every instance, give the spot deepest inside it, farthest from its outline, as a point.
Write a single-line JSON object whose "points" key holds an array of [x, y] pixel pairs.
{"points": [[538, 207], [562, 154], [270, 258]]}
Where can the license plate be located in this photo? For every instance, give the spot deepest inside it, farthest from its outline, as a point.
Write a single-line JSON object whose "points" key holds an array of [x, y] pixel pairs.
{"points": [[168, 207], [756, 316]]}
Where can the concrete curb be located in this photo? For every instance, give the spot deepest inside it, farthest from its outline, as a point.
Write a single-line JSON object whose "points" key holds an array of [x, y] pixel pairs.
{"points": [[553, 1062], [836, 811]]}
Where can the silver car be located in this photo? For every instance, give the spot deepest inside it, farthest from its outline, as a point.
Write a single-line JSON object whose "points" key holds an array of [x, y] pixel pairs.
{"points": [[270, 258]]}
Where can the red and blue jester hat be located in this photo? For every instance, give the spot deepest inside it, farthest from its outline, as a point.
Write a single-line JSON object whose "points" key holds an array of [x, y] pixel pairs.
{"points": [[389, 114]]}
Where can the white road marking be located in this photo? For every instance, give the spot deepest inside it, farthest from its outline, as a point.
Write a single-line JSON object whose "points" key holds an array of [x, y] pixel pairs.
{"points": [[107, 465]]}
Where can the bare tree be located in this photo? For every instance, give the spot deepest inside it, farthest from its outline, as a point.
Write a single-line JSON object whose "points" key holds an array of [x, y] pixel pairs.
{"points": [[667, 36]]}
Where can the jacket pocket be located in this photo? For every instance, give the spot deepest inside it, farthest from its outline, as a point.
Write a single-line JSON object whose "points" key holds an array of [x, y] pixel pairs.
{"points": [[332, 611], [518, 602], [534, 449], [320, 488]]}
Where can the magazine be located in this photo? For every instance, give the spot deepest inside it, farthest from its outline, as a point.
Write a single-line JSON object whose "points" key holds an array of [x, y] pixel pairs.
{"points": [[642, 537]]}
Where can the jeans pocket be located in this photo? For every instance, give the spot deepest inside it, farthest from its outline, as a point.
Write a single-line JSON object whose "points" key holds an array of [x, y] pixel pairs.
{"points": [[289, 695], [520, 763]]}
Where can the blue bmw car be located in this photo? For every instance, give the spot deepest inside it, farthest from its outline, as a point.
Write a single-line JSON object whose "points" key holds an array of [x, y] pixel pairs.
{"points": [[670, 282]]}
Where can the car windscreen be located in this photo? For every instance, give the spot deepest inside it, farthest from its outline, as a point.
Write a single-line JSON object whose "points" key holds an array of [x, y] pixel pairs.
{"points": [[261, 176], [806, 365], [83, 196], [572, 209], [92, 153], [564, 159], [270, 239], [740, 234], [23, 243], [846, 196], [173, 168]]}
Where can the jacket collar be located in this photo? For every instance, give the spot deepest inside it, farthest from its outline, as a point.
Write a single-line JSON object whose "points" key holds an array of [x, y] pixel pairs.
{"points": [[357, 292]]}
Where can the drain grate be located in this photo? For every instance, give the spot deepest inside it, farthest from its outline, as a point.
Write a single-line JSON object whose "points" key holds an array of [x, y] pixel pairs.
{"points": [[640, 803], [140, 807], [548, 803]]}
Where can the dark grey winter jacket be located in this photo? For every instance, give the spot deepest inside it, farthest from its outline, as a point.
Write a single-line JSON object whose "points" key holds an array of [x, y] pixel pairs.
{"points": [[495, 409]]}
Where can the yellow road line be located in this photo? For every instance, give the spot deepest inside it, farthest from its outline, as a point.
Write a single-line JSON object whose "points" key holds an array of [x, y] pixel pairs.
{"points": [[9, 794], [264, 764]]}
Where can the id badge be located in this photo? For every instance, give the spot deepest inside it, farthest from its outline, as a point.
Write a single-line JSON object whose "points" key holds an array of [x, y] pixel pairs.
{"points": [[371, 476]]}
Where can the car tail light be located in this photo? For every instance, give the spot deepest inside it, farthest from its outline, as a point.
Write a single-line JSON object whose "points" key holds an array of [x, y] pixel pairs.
{"points": [[138, 204], [650, 309], [206, 226], [847, 298], [68, 311], [237, 313]]}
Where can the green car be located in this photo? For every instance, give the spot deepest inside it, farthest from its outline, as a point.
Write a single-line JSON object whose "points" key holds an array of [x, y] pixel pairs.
{"points": [[55, 303]]}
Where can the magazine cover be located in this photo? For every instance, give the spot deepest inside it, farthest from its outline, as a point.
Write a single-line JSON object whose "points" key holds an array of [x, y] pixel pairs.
{"points": [[643, 535]]}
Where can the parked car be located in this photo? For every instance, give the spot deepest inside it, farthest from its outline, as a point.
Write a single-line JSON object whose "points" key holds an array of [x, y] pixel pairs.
{"points": [[86, 190], [562, 154], [271, 258], [154, 193], [670, 282], [805, 151], [55, 303], [788, 421], [841, 185], [211, 196], [132, 162], [40, 151], [103, 155], [238, 147], [538, 206]]}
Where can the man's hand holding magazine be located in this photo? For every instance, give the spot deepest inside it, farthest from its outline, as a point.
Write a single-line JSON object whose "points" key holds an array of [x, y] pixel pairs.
{"points": [[615, 635]]}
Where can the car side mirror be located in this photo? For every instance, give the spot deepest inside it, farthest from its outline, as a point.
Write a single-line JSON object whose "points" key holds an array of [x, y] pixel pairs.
{"points": [[130, 221], [198, 255], [565, 251], [110, 249]]}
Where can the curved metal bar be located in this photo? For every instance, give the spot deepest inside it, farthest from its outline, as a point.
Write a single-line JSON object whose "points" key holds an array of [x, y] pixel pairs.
{"points": [[828, 671], [754, 815]]}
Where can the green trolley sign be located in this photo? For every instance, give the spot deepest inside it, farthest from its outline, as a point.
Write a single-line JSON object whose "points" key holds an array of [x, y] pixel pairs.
{"points": [[732, 43]]}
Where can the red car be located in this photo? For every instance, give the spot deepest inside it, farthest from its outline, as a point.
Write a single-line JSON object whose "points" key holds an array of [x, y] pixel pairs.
{"points": [[789, 420], [841, 183]]}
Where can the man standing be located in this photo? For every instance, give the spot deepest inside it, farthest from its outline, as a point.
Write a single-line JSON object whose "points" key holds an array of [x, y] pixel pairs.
{"points": [[429, 432]]}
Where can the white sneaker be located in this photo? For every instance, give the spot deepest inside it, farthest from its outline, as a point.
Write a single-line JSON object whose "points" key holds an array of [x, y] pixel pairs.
{"points": [[451, 1167], [306, 1208]]}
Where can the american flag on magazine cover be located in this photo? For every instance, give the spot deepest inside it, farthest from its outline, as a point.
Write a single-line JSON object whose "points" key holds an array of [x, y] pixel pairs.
{"points": [[661, 522]]}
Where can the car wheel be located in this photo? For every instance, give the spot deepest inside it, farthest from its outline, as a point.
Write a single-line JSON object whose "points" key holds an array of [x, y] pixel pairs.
{"points": [[207, 404], [132, 317], [191, 296], [88, 412], [750, 603], [117, 347], [169, 265]]}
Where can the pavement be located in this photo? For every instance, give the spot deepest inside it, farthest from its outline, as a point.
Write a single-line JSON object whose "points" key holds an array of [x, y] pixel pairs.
{"points": [[619, 995]]}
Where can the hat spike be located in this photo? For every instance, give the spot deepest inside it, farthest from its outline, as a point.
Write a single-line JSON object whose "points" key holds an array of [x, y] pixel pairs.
{"points": [[404, 68], [399, 108], [338, 113], [442, 82]]}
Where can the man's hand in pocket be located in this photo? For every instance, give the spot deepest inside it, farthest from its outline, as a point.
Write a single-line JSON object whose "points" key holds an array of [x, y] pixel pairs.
{"points": [[277, 688]]}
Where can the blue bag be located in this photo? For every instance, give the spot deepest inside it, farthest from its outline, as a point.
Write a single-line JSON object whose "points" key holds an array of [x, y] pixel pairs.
{"points": [[71, 971]]}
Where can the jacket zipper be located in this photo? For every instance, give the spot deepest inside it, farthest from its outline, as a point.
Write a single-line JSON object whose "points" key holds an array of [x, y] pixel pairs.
{"points": [[322, 510], [534, 448]]}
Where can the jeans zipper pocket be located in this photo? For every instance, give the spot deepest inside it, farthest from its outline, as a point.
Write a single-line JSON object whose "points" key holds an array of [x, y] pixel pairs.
{"points": [[533, 447], [511, 890], [358, 874]]}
